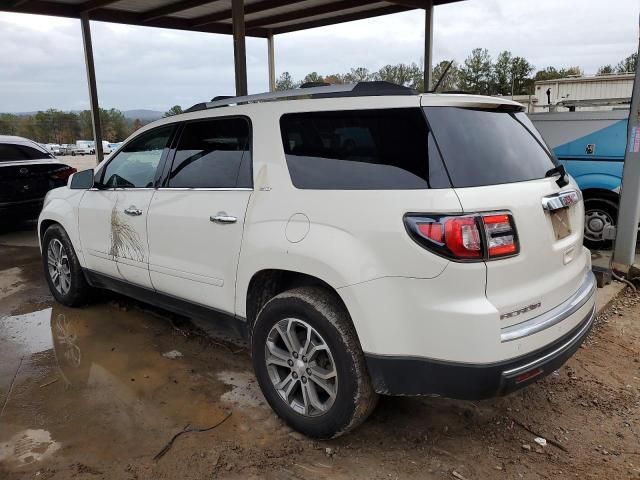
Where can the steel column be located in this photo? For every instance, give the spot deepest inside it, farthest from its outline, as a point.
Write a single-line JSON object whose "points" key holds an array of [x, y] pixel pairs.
{"points": [[428, 45], [93, 90], [271, 54], [239, 47], [629, 213]]}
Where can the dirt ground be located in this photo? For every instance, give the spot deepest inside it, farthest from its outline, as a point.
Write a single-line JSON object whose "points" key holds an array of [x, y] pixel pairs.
{"points": [[94, 393]]}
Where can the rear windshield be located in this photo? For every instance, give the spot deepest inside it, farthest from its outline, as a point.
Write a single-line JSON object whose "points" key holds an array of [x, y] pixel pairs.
{"points": [[488, 147], [10, 152], [390, 149]]}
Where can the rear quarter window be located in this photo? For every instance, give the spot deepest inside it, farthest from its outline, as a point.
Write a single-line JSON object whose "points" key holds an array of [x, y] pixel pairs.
{"points": [[488, 147], [361, 150], [10, 152]]}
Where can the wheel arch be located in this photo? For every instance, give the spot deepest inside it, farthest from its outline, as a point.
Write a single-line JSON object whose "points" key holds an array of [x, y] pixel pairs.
{"points": [[597, 193], [60, 213], [267, 283]]}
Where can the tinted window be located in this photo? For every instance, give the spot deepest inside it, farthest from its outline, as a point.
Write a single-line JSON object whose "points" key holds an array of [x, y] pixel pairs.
{"points": [[136, 164], [361, 150], [488, 147], [213, 154], [10, 152]]}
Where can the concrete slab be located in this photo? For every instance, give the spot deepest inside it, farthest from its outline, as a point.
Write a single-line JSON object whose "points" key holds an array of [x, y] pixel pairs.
{"points": [[607, 294], [22, 236]]}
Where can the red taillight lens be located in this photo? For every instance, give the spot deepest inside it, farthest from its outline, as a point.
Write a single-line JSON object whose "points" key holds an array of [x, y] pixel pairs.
{"points": [[63, 174], [501, 235], [433, 231], [462, 237], [465, 237]]}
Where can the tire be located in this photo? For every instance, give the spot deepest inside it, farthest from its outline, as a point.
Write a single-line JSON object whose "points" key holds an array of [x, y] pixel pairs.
{"points": [[319, 313], [598, 212], [69, 287]]}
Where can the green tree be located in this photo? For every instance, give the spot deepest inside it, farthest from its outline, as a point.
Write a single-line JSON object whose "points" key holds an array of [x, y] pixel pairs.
{"points": [[360, 74], [502, 74], [313, 77], [175, 110], [521, 71], [407, 75], [629, 64], [8, 124], [605, 70], [451, 81], [285, 82], [475, 74]]}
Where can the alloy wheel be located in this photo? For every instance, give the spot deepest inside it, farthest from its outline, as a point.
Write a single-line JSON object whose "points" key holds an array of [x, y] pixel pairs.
{"points": [[58, 265], [301, 367]]}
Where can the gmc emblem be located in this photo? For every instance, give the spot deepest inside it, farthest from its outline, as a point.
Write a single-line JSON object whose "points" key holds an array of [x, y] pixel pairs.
{"points": [[515, 313]]}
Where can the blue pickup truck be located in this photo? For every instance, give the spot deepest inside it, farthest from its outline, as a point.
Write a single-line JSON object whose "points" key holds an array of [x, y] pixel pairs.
{"points": [[591, 146]]}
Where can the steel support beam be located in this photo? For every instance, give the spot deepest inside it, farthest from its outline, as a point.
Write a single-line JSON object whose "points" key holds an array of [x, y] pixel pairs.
{"points": [[239, 46], [271, 55], [91, 80], [428, 45], [629, 213]]}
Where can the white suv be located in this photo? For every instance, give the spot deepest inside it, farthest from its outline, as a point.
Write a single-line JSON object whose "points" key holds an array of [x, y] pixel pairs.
{"points": [[366, 239]]}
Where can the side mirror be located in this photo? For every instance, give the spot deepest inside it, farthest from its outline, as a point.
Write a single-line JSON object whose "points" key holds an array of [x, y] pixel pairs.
{"points": [[82, 180]]}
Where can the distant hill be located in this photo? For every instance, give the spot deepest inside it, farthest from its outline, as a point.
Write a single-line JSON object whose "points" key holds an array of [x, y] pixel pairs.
{"points": [[142, 114]]}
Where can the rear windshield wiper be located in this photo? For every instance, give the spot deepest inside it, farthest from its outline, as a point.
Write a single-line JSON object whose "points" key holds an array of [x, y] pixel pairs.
{"points": [[559, 170]]}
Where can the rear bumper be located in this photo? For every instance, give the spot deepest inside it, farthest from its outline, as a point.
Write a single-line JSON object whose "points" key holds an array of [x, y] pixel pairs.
{"points": [[395, 375]]}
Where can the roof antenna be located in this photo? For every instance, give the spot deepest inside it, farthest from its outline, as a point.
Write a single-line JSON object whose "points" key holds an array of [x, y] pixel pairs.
{"points": [[442, 77]]}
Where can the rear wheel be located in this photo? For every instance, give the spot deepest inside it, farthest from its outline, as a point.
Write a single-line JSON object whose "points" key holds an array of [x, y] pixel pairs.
{"points": [[62, 268], [309, 363], [599, 213]]}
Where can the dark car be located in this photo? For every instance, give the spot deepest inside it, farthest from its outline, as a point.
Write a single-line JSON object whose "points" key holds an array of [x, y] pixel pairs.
{"points": [[27, 172]]}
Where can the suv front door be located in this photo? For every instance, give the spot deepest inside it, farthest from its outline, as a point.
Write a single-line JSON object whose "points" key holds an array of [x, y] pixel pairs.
{"points": [[196, 218], [113, 216]]}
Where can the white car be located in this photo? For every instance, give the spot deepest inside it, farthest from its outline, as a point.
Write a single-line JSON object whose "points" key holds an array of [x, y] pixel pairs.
{"points": [[366, 239]]}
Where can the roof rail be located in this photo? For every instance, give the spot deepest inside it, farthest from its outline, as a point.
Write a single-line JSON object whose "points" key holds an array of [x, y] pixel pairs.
{"points": [[360, 89]]}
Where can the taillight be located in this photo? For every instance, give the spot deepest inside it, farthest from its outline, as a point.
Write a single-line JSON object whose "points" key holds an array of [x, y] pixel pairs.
{"points": [[501, 235], [63, 173], [465, 237]]}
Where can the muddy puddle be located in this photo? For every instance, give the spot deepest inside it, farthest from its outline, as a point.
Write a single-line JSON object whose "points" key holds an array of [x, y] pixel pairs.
{"points": [[97, 377]]}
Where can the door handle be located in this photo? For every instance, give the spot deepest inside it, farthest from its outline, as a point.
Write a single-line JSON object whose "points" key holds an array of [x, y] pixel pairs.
{"points": [[133, 211], [223, 218]]}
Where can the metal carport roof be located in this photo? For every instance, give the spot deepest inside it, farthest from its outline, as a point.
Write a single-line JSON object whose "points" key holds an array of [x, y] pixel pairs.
{"points": [[262, 17], [240, 18]]}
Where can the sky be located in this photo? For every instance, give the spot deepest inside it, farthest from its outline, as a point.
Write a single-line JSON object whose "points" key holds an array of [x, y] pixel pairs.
{"points": [[42, 63]]}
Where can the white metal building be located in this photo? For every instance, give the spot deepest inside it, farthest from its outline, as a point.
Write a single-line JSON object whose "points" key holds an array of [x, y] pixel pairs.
{"points": [[600, 92]]}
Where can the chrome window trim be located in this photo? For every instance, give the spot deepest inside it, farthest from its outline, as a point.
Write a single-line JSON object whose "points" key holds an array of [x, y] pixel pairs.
{"points": [[189, 189], [554, 316]]}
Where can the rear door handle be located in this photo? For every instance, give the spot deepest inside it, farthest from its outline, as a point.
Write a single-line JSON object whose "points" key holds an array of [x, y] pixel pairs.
{"points": [[223, 218], [133, 211]]}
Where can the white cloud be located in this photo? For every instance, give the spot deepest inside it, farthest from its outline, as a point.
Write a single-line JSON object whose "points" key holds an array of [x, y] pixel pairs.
{"points": [[42, 62]]}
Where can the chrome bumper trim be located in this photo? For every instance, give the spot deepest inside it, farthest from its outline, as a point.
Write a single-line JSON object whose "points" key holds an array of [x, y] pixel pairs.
{"points": [[586, 324], [554, 316]]}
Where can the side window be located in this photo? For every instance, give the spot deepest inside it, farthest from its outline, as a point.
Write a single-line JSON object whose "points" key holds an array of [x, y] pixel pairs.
{"points": [[135, 166], [213, 154], [10, 152], [361, 150]]}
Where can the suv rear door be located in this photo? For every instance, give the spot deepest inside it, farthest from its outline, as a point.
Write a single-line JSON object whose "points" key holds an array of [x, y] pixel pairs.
{"points": [[497, 162], [196, 218]]}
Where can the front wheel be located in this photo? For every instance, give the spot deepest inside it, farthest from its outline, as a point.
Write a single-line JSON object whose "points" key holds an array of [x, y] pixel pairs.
{"points": [[62, 268], [309, 363], [599, 213]]}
